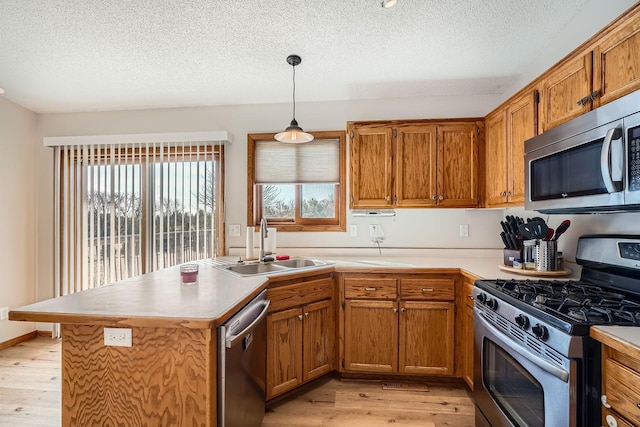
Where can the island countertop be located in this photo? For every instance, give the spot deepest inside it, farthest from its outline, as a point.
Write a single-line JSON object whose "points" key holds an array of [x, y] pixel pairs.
{"points": [[154, 299]]}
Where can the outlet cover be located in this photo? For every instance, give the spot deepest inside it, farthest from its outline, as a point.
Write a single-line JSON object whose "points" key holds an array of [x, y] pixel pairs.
{"points": [[234, 230], [464, 230], [119, 337], [4, 313], [353, 230]]}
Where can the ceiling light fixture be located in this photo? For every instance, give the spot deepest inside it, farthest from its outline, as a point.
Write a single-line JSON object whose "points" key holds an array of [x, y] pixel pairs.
{"points": [[294, 133], [1, 91], [388, 3]]}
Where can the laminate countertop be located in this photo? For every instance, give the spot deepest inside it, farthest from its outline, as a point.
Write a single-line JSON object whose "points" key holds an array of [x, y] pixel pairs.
{"points": [[158, 298], [625, 339]]}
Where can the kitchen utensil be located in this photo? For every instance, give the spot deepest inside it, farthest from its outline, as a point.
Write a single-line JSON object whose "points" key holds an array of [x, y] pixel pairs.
{"points": [[549, 234], [505, 227], [503, 235], [564, 225], [534, 230]]}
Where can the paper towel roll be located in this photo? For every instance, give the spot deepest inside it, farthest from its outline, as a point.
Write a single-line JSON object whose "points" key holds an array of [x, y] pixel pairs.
{"points": [[248, 254]]}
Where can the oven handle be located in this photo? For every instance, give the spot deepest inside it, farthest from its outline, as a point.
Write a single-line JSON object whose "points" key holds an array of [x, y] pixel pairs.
{"points": [[546, 366], [605, 169]]}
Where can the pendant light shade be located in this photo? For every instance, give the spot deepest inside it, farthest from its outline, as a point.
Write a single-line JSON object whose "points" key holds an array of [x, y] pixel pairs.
{"points": [[294, 133]]}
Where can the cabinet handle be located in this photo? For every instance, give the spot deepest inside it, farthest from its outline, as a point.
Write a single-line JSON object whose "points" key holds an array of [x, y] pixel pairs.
{"points": [[388, 198], [504, 193], [470, 297], [440, 197], [402, 310], [435, 197], [425, 290], [508, 193], [306, 314], [603, 399], [395, 310], [300, 316], [370, 289]]}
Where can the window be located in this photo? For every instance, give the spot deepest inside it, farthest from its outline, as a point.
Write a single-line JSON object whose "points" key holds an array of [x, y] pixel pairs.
{"points": [[297, 187], [129, 209]]}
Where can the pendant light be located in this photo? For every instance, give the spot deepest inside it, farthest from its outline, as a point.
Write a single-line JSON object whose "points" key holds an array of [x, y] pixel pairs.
{"points": [[294, 133]]}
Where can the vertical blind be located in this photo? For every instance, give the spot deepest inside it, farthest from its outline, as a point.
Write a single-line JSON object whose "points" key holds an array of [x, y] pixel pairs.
{"points": [[128, 209]]}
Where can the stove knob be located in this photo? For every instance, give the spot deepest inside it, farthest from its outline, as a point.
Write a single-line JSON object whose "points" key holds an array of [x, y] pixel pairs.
{"points": [[522, 321], [492, 304], [481, 298], [540, 331]]}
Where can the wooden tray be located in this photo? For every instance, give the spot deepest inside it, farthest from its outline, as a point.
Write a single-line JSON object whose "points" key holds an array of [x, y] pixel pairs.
{"points": [[563, 272]]}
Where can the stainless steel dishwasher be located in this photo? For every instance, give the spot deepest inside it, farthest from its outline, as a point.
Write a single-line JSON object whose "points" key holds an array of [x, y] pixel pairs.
{"points": [[242, 365]]}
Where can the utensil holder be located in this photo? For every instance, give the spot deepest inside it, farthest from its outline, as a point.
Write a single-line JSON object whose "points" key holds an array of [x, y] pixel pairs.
{"points": [[546, 255]]}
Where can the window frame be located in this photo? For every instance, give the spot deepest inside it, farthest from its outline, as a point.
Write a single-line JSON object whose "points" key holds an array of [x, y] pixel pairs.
{"points": [[254, 192]]}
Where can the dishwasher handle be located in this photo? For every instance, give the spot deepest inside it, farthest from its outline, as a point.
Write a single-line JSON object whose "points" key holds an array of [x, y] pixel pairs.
{"points": [[233, 339]]}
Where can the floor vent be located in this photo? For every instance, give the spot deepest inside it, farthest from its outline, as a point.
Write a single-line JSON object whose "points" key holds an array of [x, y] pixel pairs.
{"points": [[405, 386]]}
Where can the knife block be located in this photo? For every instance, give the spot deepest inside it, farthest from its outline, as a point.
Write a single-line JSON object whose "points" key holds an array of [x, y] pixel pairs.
{"points": [[510, 255]]}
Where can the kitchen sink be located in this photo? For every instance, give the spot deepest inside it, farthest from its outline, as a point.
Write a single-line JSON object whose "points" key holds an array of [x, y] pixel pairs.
{"points": [[254, 268]]}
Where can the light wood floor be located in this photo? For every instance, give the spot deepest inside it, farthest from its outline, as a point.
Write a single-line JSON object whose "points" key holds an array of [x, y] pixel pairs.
{"points": [[30, 396]]}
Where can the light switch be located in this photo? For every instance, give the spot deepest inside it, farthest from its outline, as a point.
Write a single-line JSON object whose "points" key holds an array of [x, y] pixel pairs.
{"points": [[234, 230]]}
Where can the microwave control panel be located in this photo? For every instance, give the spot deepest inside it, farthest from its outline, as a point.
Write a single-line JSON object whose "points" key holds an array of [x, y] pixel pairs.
{"points": [[633, 157]]}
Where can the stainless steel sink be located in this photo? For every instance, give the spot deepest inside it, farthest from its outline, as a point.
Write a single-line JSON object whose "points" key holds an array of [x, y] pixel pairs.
{"points": [[254, 268]]}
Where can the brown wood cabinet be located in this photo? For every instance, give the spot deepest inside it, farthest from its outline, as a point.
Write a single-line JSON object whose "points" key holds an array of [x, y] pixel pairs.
{"points": [[621, 385], [507, 129], [398, 323], [464, 328], [300, 333], [407, 164]]}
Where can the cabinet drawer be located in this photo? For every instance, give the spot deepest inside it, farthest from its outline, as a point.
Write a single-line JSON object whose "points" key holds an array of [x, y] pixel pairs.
{"points": [[441, 289], [622, 387], [284, 297], [608, 415], [370, 288], [467, 291]]}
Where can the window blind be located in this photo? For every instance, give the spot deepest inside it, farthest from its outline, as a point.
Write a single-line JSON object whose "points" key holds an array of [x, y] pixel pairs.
{"points": [[317, 162], [128, 209]]}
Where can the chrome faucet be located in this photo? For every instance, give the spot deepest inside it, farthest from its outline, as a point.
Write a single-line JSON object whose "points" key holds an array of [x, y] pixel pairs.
{"points": [[263, 235]]}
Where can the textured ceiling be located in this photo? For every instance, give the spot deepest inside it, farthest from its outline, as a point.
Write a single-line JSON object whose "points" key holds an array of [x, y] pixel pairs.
{"points": [[86, 55]]}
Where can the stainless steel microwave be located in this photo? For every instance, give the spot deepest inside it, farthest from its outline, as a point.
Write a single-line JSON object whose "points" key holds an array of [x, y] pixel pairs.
{"points": [[588, 164]]}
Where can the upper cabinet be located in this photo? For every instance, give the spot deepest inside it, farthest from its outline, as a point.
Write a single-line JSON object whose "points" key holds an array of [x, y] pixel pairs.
{"points": [[566, 92], [506, 130], [616, 61], [414, 165], [604, 69]]}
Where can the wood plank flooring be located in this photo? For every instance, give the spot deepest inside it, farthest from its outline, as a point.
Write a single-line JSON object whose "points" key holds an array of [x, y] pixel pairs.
{"points": [[30, 396]]}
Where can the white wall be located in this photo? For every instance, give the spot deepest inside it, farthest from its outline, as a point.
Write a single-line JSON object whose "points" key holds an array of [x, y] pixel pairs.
{"points": [[18, 214]]}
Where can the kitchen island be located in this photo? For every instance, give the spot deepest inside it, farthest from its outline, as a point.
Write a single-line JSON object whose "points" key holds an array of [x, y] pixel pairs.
{"points": [[167, 377]]}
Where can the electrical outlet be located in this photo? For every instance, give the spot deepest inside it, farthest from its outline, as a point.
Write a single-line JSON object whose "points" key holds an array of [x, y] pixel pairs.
{"points": [[234, 230], [353, 230], [373, 231], [464, 230], [4, 313], [119, 337]]}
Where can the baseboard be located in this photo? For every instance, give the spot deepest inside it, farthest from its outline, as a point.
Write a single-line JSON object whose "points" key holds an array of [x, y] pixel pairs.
{"points": [[46, 334], [18, 340]]}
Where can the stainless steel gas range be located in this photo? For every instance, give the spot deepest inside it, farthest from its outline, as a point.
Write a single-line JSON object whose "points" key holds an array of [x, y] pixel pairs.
{"points": [[535, 364]]}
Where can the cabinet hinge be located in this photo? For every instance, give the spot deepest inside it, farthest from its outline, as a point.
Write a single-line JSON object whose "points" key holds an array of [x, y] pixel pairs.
{"points": [[351, 199], [478, 130], [536, 97], [395, 133], [455, 309], [455, 367], [343, 305], [351, 134], [342, 362]]}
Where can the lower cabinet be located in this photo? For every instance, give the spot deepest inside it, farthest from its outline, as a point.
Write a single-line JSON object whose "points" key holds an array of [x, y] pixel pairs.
{"points": [[620, 388], [398, 323], [464, 329], [300, 335]]}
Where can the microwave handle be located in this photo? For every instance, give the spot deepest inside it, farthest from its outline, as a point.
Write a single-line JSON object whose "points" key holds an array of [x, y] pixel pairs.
{"points": [[612, 186]]}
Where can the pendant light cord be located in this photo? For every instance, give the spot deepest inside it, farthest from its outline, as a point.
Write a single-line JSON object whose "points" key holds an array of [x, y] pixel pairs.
{"points": [[294, 92]]}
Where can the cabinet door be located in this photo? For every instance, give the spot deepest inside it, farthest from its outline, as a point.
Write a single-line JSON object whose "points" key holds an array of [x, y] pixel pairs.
{"points": [[318, 334], [522, 124], [371, 163], [426, 337], [284, 351], [416, 166], [467, 373], [371, 336], [562, 89], [616, 62], [496, 158], [464, 330], [457, 165]]}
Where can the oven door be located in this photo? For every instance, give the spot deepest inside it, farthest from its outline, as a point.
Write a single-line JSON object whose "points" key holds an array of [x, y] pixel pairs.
{"points": [[516, 386]]}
